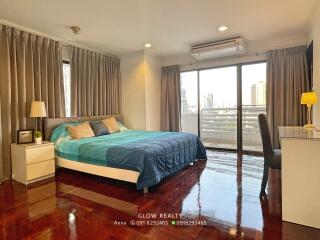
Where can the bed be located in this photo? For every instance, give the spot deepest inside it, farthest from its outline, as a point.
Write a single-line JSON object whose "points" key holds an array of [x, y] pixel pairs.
{"points": [[140, 157]]}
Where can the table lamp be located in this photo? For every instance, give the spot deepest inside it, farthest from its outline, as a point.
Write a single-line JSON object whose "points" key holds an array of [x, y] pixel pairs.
{"points": [[309, 98], [38, 109]]}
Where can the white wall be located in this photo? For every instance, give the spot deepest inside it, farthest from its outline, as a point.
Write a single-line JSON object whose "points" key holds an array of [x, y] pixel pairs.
{"points": [[314, 34], [133, 91], [153, 93], [141, 82]]}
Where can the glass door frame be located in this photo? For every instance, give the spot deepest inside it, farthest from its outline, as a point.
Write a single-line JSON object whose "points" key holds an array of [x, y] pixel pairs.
{"points": [[239, 104]]}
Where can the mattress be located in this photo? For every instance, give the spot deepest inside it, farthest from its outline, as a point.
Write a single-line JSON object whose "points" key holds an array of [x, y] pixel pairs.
{"points": [[155, 155]]}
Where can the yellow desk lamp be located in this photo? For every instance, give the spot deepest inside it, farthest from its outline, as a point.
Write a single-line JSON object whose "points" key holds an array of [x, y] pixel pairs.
{"points": [[309, 98]]}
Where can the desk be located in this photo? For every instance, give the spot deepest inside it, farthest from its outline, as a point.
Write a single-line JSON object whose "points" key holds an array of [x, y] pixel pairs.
{"points": [[300, 150]]}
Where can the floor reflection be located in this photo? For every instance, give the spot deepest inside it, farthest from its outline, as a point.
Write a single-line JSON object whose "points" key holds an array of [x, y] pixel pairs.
{"points": [[223, 191], [227, 193], [41, 200], [98, 198]]}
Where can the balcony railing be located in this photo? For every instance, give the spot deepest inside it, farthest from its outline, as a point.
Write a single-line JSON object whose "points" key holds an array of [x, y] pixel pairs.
{"points": [[218, 126]]}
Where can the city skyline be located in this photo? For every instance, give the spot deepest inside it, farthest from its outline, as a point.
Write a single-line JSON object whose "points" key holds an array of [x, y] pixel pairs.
{"points": [[218, 87], [258, 97]]}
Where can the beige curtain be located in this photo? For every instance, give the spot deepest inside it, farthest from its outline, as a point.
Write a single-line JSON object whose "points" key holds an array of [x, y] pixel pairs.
{"points": [[170, 98], [30, 69], [95, 83], [287, 79]]}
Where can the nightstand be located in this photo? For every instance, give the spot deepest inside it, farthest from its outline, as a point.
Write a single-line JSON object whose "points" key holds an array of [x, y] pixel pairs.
{"points": [[32, 162]]}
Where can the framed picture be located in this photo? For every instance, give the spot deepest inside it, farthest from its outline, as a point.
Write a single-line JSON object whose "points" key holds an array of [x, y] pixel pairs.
{"points": [[25, 136]]}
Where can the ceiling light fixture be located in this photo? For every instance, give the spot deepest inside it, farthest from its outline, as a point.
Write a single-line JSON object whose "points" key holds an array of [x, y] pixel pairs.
{"points": [[147, 45], [223, 28]]}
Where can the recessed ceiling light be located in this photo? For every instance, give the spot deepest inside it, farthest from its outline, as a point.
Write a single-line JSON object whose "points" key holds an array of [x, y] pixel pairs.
{"points": [[147, 45], [223, 28]]}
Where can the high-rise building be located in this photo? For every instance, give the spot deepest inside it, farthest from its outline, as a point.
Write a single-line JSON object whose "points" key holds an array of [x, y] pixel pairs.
{"points": [[210, 100], [258, 93], [184, 101], [253, 94]]}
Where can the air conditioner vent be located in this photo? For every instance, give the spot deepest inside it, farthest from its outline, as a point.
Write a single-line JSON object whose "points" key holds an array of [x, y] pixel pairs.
{"points": [[211, 50]]}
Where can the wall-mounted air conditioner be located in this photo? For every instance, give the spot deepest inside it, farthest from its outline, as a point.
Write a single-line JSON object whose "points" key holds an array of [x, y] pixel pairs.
{"points": [[225, 48]]}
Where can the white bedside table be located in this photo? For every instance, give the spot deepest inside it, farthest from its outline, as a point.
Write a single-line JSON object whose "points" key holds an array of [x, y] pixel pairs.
{"points": [[32, 162]]}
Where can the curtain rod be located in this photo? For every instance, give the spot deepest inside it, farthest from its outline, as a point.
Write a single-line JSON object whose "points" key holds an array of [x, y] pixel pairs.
{"points": [[258, 53], [217, 60], [63, 42]]}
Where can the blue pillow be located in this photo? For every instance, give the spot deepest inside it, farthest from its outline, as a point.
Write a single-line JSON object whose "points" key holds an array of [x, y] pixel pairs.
{"points": [[98, 128]]}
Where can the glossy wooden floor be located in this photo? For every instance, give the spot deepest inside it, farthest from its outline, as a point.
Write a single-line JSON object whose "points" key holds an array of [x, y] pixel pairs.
{"points": [[221, 193]]}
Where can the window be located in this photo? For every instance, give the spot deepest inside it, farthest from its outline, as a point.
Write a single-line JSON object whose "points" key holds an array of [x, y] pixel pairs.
{"points": [[222, 104], [253, 103], [67, 87], [218, 107], [189, 102]]}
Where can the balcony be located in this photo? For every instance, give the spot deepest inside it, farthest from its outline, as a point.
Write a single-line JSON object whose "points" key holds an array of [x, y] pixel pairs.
{"points": [[218, 127]]}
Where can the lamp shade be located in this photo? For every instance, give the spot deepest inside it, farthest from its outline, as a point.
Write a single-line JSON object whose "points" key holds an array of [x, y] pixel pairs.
{"points": [[38, 109], [309, 98]]}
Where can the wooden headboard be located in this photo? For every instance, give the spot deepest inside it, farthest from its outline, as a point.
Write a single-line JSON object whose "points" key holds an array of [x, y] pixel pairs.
{"points": [[51, 123]]}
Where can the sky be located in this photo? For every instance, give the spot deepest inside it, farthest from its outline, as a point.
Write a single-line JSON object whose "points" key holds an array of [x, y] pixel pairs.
{"points": [[222, 83]]}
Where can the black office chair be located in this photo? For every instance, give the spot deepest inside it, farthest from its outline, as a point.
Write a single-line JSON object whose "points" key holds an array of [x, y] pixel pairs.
{"points": [[272, 157]]}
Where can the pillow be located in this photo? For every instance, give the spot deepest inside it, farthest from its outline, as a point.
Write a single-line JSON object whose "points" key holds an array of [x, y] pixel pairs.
{"points": [[83, 130], [61, 131], [111, 125], [122, 127], [98, 128]]}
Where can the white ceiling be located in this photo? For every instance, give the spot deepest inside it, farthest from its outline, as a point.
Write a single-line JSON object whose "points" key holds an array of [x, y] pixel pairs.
{"points": [[123, 26]]}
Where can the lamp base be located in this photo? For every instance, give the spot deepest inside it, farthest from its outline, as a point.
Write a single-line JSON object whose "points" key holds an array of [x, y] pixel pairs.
{"points": [[309, 126]]}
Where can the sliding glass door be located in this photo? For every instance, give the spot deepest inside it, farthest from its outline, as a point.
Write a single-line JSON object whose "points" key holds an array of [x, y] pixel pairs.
{"points": [[189, 101], [222, 104], [253, 103], [218, 107]]}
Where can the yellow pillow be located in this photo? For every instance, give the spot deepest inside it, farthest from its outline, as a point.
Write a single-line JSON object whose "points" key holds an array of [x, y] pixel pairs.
{"points": [[83, 130], [111, 125]]}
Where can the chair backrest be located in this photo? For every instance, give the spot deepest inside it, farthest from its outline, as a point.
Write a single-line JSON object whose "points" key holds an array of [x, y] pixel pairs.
{"points": [[265, 137]]}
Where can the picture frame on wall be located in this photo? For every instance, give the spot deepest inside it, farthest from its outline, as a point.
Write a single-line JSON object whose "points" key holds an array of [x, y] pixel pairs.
{"points": [[25, 136]]}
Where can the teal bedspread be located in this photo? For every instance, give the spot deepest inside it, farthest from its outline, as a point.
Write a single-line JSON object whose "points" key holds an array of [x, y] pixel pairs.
{"points": [[154, 155]]}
